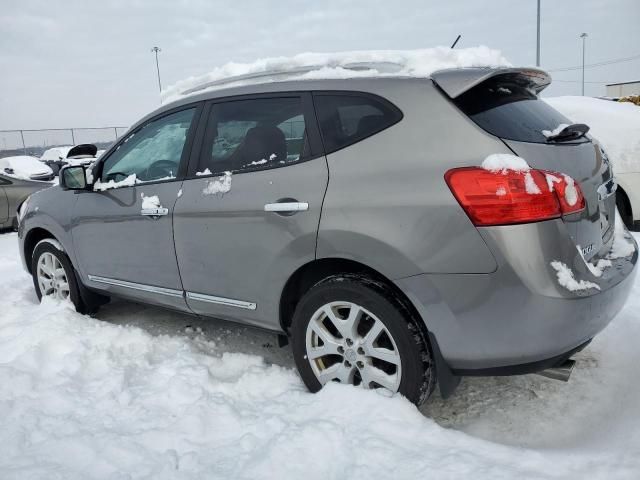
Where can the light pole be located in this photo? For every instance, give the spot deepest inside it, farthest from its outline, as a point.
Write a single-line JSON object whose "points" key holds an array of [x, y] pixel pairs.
{"points": [[156, 50], [583, 36], [538, 38]]}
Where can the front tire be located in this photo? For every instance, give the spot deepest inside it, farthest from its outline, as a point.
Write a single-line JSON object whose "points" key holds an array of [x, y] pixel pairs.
{"points": [[353, 329], [54, 276]]}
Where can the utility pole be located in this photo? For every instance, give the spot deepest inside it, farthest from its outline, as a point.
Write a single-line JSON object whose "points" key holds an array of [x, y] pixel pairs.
{"points": [[583, 36], [538, 38], [156, 50]]}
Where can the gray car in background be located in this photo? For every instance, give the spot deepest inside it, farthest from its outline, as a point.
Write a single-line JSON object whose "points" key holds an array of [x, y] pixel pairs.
{"points": [[384, 226], [13, 192]]}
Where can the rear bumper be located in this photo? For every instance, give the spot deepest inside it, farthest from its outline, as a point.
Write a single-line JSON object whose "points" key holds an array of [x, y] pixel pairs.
{"points": [[519, 318]]}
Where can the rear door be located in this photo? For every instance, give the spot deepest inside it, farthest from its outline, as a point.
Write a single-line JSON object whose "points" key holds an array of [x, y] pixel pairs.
{"points": [[248, 214], [508, 107], [123, 232]]}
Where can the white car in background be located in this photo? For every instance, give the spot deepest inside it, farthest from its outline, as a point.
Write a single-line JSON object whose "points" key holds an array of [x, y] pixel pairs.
{"points": [[616, 126], [25, 167], [58, 157]]}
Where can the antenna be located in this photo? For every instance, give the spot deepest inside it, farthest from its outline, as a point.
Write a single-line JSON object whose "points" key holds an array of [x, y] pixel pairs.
{"points": [[455, 43]]}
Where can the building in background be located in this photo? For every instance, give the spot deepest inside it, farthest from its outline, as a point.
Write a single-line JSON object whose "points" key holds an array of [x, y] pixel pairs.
{"points": [[625, 89]]}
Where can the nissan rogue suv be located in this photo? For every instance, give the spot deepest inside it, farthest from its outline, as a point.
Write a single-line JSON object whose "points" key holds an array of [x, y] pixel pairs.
{"points": [[398, 231]]}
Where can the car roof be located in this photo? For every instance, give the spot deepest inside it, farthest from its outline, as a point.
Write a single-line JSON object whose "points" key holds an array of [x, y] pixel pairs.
{"points": [[454, 82]]}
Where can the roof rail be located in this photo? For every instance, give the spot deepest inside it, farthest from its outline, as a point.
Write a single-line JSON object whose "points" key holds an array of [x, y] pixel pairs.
{"points": [[275, 74]]}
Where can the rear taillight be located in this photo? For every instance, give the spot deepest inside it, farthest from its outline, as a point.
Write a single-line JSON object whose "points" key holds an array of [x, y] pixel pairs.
{"points": [[509, 197]]}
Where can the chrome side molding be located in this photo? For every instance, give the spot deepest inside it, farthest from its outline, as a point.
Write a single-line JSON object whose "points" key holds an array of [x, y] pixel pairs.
{"points": [[136, 286], [200, 297], [229, 302]]}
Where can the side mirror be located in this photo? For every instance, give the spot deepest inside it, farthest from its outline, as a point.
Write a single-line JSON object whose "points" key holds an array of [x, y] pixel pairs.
{"points": [[73, 177]]}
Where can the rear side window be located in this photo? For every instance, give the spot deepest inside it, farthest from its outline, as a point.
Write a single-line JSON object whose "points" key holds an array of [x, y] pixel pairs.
{"points": [[507, 107], [348, 118], [254, 134]]}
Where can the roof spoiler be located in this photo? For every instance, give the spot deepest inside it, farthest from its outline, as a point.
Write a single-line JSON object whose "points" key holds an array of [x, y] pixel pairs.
{"points": [[456, 81]]}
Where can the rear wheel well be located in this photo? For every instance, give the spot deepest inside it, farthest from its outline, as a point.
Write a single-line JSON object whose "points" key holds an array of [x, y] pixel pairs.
{"points": [[308, 275], [31, 240]]}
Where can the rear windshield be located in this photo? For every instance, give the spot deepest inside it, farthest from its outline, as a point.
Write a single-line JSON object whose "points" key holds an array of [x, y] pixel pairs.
{"points": [[507, 107]]}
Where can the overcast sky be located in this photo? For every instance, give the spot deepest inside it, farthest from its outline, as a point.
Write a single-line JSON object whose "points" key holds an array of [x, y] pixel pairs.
{"points": [[88, 63]]}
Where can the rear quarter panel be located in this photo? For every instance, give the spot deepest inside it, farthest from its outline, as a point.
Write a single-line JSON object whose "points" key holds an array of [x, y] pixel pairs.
{"points": [[388, 205]]}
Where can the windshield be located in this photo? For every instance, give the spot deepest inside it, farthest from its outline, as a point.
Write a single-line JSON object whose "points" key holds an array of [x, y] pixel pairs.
{"points": [[507, 107]]}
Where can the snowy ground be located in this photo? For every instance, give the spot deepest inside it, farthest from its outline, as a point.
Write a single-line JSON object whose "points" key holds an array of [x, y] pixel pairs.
{"points": [[134, 393]]}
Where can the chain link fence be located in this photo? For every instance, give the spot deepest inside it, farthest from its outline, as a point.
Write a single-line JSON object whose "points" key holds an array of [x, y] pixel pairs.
{"points": [[35, 142]]}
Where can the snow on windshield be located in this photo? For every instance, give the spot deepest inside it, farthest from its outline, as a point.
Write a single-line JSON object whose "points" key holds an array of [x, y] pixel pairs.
{"points": [[414, 63], [616, 126]]}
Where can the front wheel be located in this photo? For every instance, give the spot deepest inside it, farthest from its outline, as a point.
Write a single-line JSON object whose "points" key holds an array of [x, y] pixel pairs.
{"points": [[352, 329], [53, 275]]}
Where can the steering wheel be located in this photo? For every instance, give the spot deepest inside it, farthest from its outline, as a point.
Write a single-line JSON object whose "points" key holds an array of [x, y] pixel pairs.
{"points": [[161, 169]]}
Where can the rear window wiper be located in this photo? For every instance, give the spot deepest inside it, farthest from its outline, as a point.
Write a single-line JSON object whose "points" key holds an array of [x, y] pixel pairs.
{"points": [[565, 133]]}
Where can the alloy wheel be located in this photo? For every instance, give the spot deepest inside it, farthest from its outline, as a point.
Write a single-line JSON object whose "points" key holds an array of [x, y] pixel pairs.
{"points": [[348, 344], [52, 278]]}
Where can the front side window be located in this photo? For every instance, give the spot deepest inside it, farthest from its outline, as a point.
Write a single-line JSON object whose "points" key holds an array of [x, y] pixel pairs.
{"points": [[348, 118], [153, 152], [245, 135]]}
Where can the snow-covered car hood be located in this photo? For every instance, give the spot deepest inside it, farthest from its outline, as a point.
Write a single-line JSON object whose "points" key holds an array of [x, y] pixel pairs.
{"points": [[615, 125], [24, 167]]}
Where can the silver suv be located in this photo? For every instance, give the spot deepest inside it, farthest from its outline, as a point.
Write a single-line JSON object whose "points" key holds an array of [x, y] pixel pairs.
{"points": [[384, 226]]}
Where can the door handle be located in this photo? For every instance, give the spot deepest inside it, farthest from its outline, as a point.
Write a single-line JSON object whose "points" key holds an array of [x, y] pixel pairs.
{"points": [[154, 212], [286, 207]]}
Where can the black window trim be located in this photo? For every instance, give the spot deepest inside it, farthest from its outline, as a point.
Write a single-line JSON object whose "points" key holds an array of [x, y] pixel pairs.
{"points": [[359, 94], [186, 151], [311, 127]]}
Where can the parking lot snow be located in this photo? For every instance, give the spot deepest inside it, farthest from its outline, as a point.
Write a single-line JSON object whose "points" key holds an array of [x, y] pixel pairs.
{"points": [[86, 398]]}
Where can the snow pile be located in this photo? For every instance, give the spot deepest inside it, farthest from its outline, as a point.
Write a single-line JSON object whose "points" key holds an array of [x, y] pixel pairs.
{"points": [[150, 202], [598, 269], [81, 398], [23, 167], [221, 184], [555, 131], [127, 182], [623, 244], [568, 281], [504, 162], [616, 126], [415, 63]]}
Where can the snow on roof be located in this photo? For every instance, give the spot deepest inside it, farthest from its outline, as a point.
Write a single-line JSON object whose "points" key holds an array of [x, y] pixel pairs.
{"points": [[56, 153], [616, 126], [413, 63]]}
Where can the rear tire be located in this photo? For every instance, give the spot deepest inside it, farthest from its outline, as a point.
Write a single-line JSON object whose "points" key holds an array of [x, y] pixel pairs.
{"points": [[624, 208], [352, 329], [55, 277]]}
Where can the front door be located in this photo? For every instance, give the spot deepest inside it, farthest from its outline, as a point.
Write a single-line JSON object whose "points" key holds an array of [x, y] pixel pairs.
{"points": [[248, 216], [123, 233]]}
